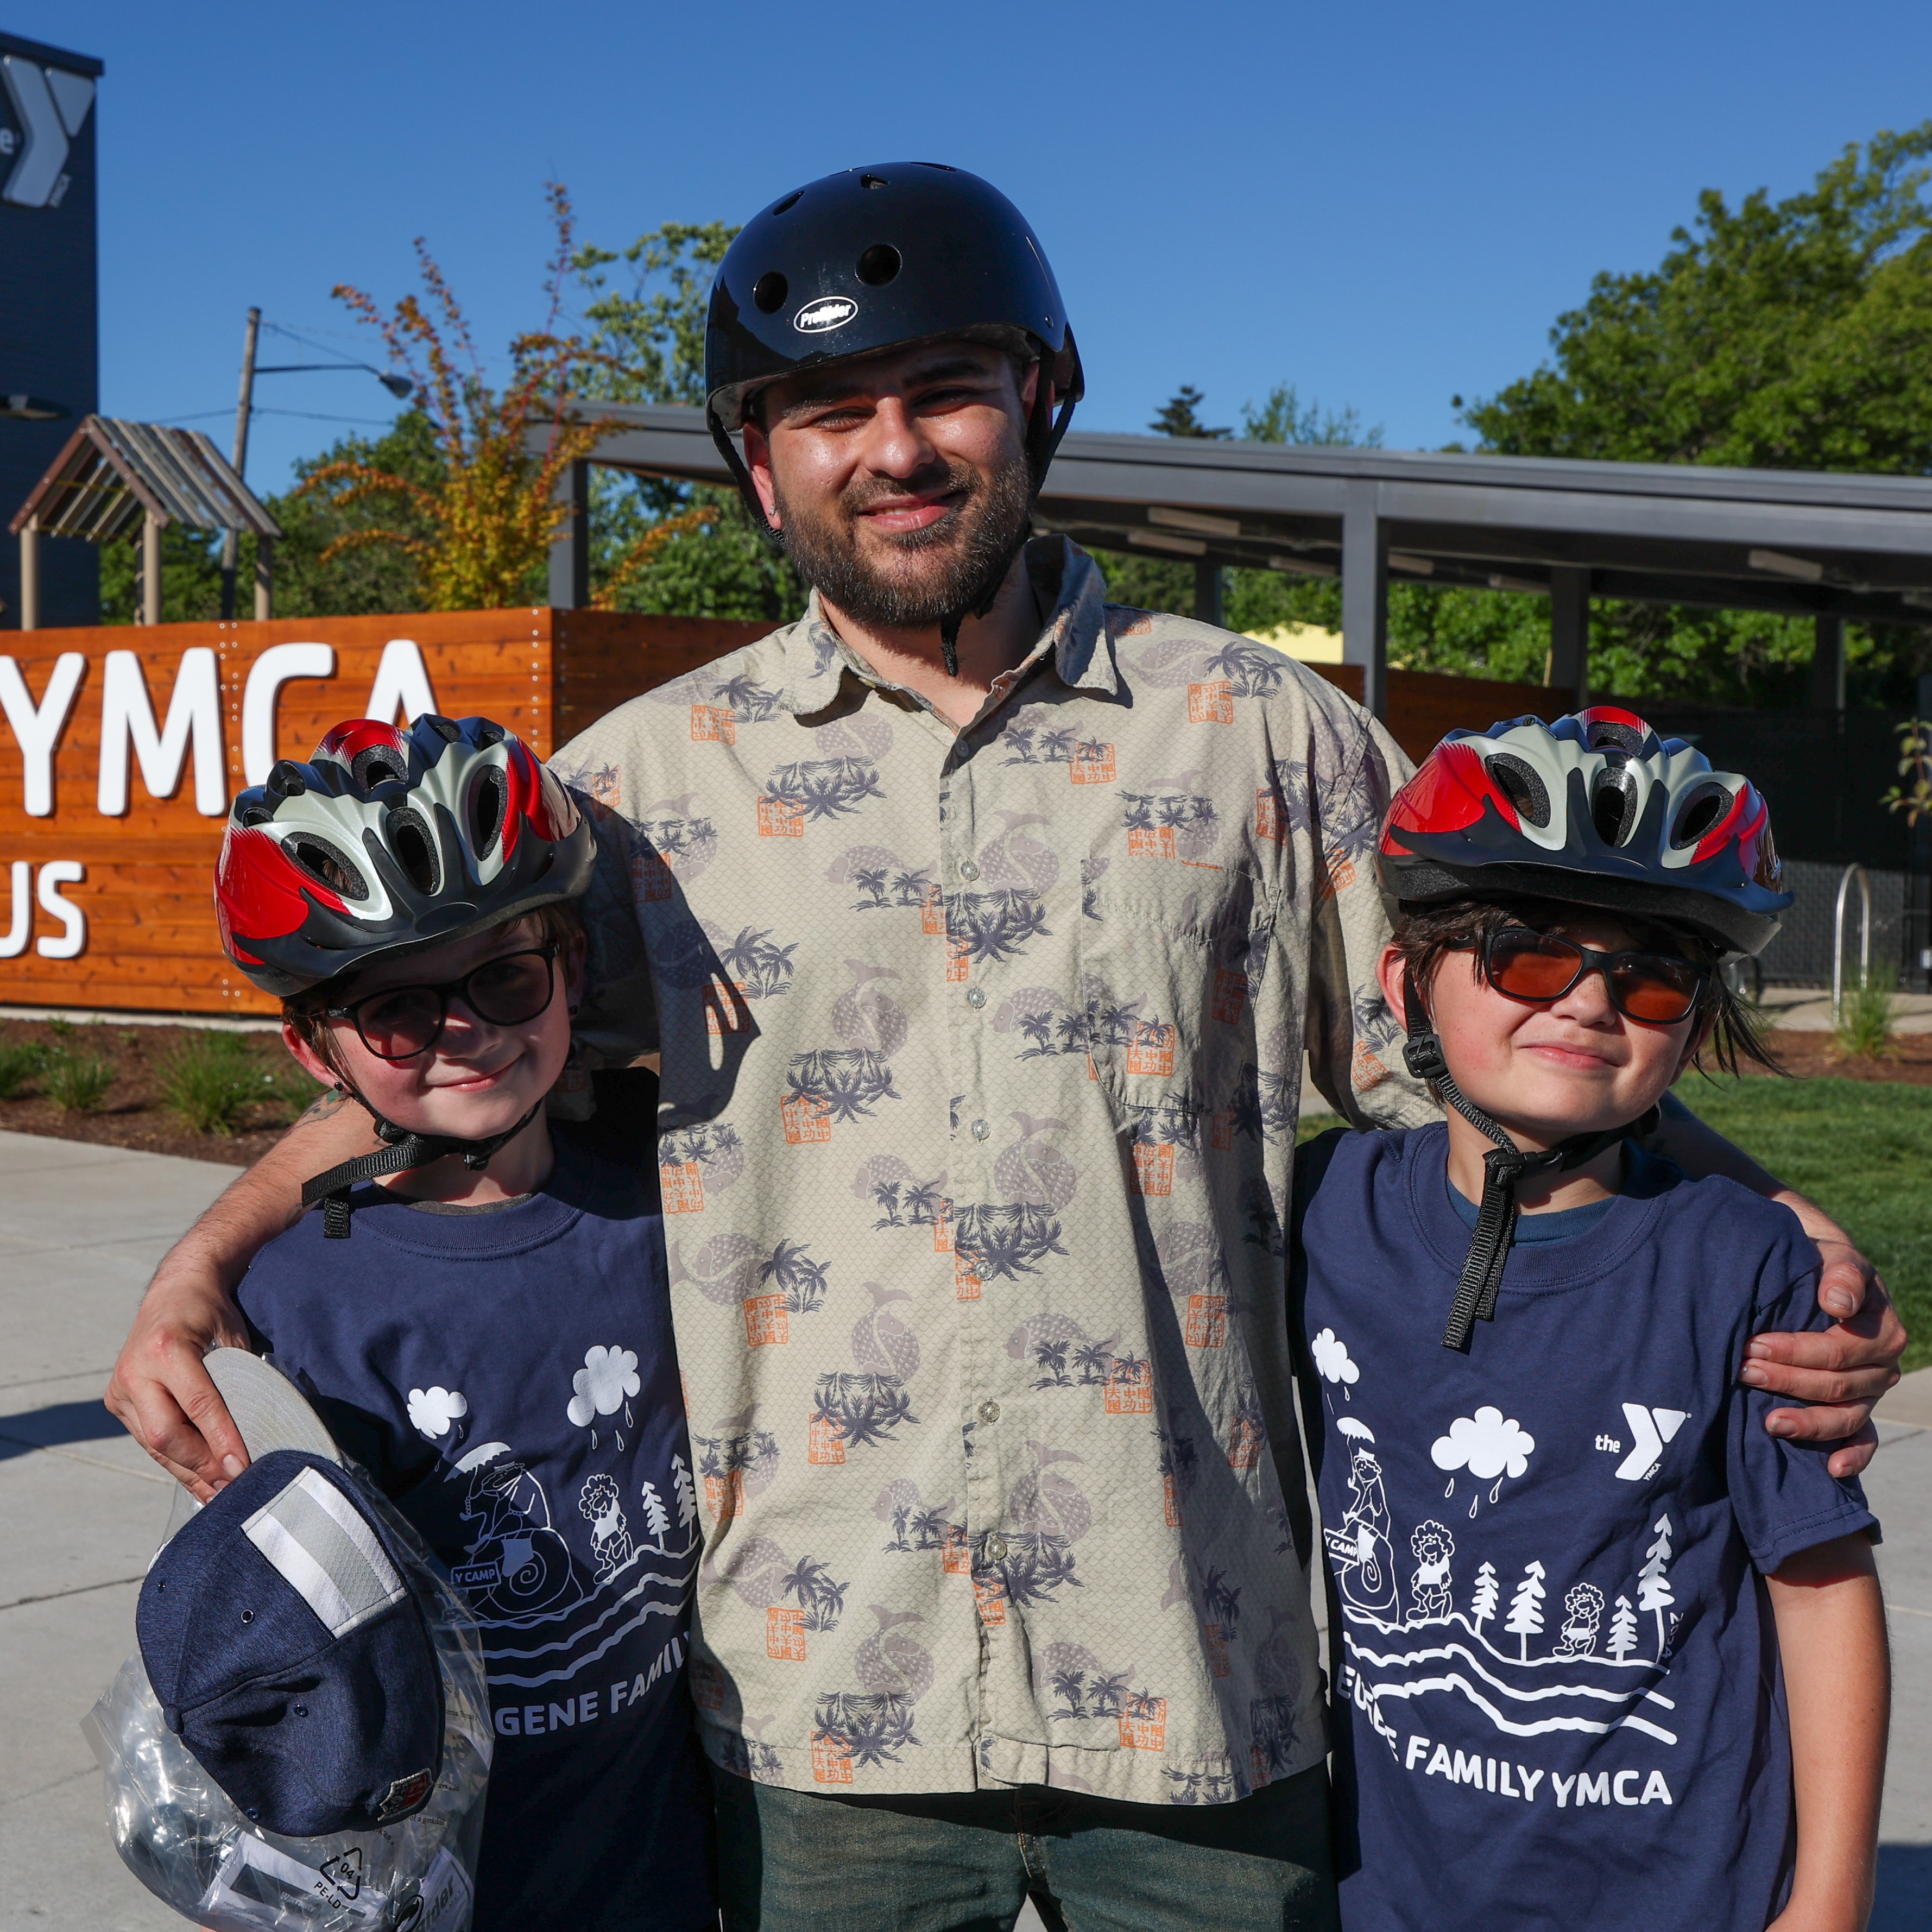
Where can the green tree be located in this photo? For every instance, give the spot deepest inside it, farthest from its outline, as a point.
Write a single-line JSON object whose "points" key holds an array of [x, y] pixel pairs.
{"points": [[651, 328], [1285, 417], [1180, 415], [1787, 334]]}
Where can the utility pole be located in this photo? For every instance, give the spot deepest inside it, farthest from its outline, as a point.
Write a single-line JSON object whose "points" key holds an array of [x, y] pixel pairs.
{"points": [[231, 542]]}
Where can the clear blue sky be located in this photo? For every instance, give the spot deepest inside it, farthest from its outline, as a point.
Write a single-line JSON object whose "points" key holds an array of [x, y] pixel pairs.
{"points": [[1385, 204]]}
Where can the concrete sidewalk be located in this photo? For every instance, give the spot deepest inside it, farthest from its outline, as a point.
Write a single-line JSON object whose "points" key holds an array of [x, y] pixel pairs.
{"points": [[81, 1509]]}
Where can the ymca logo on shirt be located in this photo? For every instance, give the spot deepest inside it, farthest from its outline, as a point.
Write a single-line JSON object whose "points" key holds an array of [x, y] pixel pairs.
{"points": [[1650, 1429]]}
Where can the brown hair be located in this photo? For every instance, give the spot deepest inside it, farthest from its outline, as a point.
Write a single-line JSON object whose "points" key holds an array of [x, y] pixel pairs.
{"points": [[1423, 933], [557, 924]]}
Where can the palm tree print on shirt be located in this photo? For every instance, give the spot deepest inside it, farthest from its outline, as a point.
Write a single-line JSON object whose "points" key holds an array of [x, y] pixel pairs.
{"points": [[792, 1272], [903, 1200], [754, 963], [1171, 821], [811, 1585], [840, 1083], [916, 1524], [884, 882], [817, 788]]}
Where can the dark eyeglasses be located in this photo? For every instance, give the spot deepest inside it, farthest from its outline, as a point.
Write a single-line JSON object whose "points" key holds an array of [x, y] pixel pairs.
{"points": [[1658, 988], [406, 1021]]}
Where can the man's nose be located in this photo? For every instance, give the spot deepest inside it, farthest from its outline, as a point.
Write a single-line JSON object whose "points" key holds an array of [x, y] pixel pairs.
{"points": [[895, 443]]}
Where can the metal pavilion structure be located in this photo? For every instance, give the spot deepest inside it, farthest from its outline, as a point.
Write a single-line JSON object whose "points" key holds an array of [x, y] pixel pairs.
{"points": [[112, 475], [1827, 547]]}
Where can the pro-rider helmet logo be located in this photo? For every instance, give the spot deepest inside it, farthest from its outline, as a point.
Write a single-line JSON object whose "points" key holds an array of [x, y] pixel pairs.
{"points": [[827, 312], [51, 106]]}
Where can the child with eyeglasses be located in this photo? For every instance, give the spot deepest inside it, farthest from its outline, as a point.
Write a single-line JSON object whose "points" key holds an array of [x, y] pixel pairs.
{"points": [[1606, 1653], [479, 1310]]}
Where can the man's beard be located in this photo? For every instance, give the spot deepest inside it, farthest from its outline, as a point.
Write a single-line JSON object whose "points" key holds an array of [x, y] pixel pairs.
{"points": [[973, 547]]}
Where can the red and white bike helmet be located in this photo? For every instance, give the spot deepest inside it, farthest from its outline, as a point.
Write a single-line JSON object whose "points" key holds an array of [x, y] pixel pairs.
{"points": [[1595, 808], [388, 839]]}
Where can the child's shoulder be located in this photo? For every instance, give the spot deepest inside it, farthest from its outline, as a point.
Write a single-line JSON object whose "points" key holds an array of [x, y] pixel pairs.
{"points": [[602, 1177], [1345, 1156], [1718, 1227]]}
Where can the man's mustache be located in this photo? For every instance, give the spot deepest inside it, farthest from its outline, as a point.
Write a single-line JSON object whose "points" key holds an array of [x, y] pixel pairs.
{"points": [[944, 479]]}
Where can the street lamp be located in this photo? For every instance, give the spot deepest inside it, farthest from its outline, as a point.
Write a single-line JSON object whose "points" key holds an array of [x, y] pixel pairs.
{"points": [[400, 387]]}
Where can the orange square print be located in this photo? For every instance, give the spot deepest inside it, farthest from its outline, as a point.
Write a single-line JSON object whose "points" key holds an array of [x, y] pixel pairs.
{"points": [[989, 1592], [725, 1495], [707, 1685], [831, 1763], [1231, 996], [766, 1321], [1244, 1443], [1270, 821], [681, 1185], [1210, 703], [824, 1441], [651, 878], [1144, 1724], [932, 914], [1221, 1128], [1152, 1049], [1093, 764], [1151, 842], [958, 1551], [966, 1283], [784, 1634], [807, 1118], [713, 724], [1170, 1502], [958, 960], [1154, 1167], [942, 1230], [1207, 1325], [781, 818], [1130, 1390], [1215, 1646]]}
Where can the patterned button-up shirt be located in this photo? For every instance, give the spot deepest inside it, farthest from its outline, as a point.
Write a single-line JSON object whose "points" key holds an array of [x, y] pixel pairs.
{"points": [[982, 1055]]}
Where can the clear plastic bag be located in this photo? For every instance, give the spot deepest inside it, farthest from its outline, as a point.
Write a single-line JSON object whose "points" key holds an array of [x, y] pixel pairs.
{"points": [[182, 1837]]}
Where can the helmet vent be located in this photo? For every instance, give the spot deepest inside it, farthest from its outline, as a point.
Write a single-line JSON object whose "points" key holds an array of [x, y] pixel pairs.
{"points": [[1700, 812], [872, 180], [322, 861], [786, 206], [1613, 807], [489, 799], [1607, 734], [379, 765], [879, 264], [1523, 786], [769, 292], [414, 850], [447, 729], [252, 815]]}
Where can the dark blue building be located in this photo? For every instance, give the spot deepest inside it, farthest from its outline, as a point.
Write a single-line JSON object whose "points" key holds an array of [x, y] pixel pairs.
{"points": [[49, 303]]}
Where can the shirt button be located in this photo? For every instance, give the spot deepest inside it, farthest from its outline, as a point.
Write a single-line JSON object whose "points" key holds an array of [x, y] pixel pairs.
{"points": [[967, 870], [976, 996], [989, 1410], [996, 1549], [981, 1128]]}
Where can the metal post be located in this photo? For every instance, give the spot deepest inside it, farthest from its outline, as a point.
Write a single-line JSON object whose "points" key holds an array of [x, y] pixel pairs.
{"points": [[1365, 593], [1207, 593], [1828, 664], [265, 578], [570, 548], [30, 574], [1570, 633], [1838, 939], [231, 540], [151, 569]]}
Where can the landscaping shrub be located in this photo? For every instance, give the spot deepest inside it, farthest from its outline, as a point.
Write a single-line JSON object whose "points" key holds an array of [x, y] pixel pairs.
{"points": [[77, 1083]]}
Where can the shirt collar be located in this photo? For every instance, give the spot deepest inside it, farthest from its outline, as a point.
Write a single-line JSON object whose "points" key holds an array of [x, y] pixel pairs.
{"points": [[816, 660]]}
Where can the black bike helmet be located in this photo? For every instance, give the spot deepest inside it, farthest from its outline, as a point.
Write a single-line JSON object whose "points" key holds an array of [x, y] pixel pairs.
{"points": [[877, 258]]}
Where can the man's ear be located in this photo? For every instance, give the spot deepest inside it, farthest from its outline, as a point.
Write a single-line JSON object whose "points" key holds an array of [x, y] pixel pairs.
{"points": [[305, 1057], [1392, 971], [758, 461]]}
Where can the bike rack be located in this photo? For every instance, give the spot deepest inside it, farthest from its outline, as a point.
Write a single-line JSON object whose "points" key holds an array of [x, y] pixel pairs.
{"points": [[1851, 872]]}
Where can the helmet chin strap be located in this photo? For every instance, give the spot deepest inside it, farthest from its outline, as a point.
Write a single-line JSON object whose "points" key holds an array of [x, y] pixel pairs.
{"points": [[405, 1150], [1504, 1167]]}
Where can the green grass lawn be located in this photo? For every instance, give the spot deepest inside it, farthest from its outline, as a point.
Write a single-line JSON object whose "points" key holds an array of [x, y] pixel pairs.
{"points": [[1862, 1151]]}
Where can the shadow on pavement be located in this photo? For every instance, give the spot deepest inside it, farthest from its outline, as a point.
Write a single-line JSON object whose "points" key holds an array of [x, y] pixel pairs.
{"points": [[50, 1428]]}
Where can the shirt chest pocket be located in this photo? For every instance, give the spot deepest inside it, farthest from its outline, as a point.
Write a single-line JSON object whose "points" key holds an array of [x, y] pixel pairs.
{"points": [[1168, 971]]}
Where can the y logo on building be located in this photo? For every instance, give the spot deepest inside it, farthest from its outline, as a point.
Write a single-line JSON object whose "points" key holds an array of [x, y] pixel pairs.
{"points": [[1652, 1429], [51, 105]]}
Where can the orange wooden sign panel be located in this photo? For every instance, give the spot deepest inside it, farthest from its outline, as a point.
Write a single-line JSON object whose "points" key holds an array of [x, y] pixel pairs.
{"points": [[123, 745]]}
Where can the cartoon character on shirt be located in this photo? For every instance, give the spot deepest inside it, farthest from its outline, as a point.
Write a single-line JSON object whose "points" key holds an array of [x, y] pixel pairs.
{"points": [[1431, 1546], [1364, 1561], [533, 1572]]}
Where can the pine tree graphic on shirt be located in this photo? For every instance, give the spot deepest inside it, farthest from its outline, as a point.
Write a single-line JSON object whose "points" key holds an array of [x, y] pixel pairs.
{"points": [[1623, 1630], [1653, 1586], [657, 1518], [687, 1495], [1525, 1619], [1483, 1603]]}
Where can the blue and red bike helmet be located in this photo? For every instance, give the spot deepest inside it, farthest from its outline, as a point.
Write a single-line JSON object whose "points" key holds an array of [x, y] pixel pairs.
{"points": [[1595, 809], [387, 840]]}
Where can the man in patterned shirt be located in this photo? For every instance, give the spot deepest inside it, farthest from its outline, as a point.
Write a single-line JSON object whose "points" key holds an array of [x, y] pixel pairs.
{"points": [[982, 997]]}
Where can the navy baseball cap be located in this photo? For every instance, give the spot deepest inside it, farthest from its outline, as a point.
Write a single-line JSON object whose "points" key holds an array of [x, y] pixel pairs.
{"points": [[289, 1653]]}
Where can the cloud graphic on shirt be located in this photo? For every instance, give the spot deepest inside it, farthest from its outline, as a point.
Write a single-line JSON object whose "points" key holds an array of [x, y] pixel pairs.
{"points": [[607, 1378], [1484, 1444], [1331, 1357], [433, 1412]]}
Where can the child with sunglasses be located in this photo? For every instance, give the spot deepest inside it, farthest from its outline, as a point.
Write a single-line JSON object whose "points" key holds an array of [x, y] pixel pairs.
{"points": [[480, 1311], [1606, 1653]]}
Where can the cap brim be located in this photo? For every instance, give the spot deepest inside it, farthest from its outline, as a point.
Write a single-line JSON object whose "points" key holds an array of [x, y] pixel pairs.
{"points": [[268, 1408]]}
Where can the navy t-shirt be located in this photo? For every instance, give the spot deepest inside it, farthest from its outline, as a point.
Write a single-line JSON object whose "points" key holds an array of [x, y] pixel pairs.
{"points": [[1558, 1701], [508, 1376]]}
